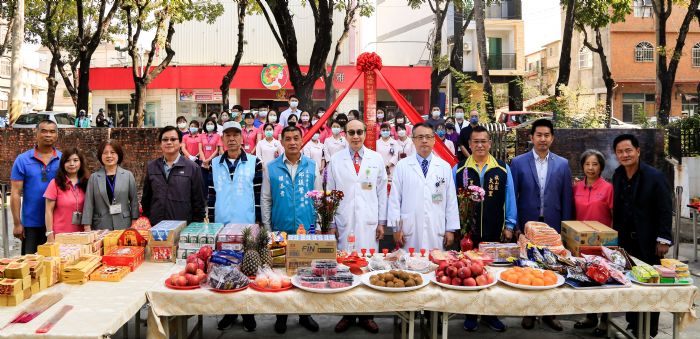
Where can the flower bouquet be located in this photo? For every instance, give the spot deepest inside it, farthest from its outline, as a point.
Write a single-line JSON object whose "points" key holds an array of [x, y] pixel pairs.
{"points": [[326, 204], [468, 200]]}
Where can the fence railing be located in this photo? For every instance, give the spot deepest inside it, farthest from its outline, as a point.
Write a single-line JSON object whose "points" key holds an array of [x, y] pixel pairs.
{"points": [[505, 9], [501, 61], [683, 142]]}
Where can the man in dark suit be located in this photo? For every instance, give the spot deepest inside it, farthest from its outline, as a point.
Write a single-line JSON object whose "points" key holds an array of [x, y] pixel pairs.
{"points": [[642, 211], [543, 191]]}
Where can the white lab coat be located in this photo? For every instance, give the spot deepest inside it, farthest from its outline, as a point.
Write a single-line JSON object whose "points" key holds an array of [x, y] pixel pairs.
{"points": [[427, 205], [405, 147], [316, 151], [363, 206], [334, 146]]}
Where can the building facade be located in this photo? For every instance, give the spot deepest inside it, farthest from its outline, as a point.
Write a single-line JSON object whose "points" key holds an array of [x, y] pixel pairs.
{"points": [[542, 68]]}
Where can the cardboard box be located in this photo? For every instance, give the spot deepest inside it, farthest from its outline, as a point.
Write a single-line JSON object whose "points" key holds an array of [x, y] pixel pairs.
{"points": [[110, 273], [132, 237], [26, 282], [48, 249], [2, 270], [35, 286], [43, 282], [302, 249], [129, 256], [17, 270], [52, 269], [3, 300], [14, 300], [586, 233], [10, 286], [168, 231], [27, 293], [162, 253], [75, 238], [231, 236]]}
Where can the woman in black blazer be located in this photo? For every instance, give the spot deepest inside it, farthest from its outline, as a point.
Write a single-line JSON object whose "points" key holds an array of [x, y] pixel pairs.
{"points": [[110, 201]]}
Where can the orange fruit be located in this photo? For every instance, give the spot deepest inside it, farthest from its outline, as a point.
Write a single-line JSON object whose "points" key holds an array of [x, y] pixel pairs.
{"points": [[513, 279], [550, 280], [537, 282], [550, 274], [524, 280]]}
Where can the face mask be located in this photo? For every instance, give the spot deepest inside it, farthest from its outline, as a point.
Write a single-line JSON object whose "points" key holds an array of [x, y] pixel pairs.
{"points": [[385, 134], [320, 114], [335, 130], [450, 126], [315, 137], [459, 115], [474, 120], [182, 125], [268, 134], [441, 133], [272, 118], [399, 121], [194, 130], [211, 128], [235, 115], [292, 123], [436, 114], [401, 133], [262, 114], [304, 118], [380, 116], [313, 122], [293, 104]]}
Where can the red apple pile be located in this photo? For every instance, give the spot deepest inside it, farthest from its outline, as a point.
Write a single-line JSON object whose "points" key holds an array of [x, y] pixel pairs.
{"points": [[463, 272], [195, 270]]}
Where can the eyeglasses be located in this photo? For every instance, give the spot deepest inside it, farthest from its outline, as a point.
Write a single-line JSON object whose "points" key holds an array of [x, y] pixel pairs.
{"points": [[480, 142], [165, 140], [424, 137], [352, 132]]}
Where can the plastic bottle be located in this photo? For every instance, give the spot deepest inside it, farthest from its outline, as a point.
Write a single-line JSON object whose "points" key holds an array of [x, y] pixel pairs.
{"points": [[301, 229], [312, 229], [351, 243]]}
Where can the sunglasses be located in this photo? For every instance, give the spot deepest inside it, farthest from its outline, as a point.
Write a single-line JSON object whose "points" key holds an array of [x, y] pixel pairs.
{"points": [[352, 132]]}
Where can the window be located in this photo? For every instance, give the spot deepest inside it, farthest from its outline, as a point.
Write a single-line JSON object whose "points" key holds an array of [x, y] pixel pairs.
{"points": [[65, 119], [696, 55], [5, 67], [642, 8], [644, 52], [585, 58], [632, 106], [689, 104]]}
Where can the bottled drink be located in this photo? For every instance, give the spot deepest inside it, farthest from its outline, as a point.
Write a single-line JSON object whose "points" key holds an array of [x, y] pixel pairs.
{"points": [[301, 229], [351, 243]]}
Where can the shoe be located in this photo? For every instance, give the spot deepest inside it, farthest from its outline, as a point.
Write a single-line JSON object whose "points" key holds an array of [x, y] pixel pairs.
{"points": [[369, 325], [552, 323], [493, 323], [590, 322], [227, 321], [528, 323], [281, 324], [308, 323], [344, 324], [249, 323], [470, 323]]}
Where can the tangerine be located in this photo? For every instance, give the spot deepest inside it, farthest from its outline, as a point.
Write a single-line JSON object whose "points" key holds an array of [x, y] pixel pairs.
{"points": [[524, 280], [550, 280], [537, 282]]}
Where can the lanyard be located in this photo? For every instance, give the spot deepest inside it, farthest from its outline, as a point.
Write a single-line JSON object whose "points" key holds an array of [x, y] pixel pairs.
{"points": [[74, 190], [112, 184]]}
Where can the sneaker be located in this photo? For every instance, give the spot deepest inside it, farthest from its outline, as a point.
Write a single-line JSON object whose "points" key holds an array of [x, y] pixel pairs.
{"points": [[470, 323], [493, 323]]}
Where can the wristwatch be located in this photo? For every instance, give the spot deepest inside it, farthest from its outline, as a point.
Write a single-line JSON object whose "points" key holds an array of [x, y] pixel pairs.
{"points": [[48, 233]]}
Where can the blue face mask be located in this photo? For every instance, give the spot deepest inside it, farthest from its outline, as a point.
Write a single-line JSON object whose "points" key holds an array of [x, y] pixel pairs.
{"points": [[268, 134], [441, 133], [474, 120], [385, 134], [194, 130]]}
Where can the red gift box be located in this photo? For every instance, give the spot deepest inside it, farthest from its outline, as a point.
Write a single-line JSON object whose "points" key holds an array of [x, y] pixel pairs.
{"points": [[131, 256]]}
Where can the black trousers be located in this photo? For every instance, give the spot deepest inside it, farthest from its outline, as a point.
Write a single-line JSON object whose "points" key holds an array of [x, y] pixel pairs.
{"points": [[33, 237], [631, 245]]}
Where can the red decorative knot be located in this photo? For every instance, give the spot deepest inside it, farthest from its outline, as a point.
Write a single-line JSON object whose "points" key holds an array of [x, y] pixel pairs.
{"points": [[368, 62]]}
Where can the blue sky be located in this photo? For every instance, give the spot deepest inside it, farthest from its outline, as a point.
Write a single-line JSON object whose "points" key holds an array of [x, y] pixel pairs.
{"points": [[542, 23]]}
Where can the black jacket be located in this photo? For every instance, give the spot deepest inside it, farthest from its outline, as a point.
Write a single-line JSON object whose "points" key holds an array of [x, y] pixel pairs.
{"points": [[651, 213], [179, 197]]}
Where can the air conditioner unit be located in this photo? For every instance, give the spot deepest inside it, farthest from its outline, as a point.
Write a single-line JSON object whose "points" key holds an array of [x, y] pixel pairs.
{"points": [[467, 46]]}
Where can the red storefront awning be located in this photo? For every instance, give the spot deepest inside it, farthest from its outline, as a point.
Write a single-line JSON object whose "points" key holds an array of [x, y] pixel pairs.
{"points": [[248, 77]]}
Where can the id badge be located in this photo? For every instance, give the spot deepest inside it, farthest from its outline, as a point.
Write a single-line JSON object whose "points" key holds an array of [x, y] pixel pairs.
{"points": [[115, 209], [437, 197], [77, 218], [367, 185], [207, 148], [246, 147]]}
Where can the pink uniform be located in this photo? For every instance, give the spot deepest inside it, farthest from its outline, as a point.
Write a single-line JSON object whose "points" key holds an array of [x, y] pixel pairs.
{"points": [[67, 202], [595, 202], [209, 143]]}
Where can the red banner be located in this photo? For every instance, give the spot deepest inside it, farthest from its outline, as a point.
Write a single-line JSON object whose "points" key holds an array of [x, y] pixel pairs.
{"points": [[370, 112], [412, 115]]}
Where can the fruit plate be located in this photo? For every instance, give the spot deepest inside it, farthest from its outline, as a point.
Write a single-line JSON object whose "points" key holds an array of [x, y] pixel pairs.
{"points": [[173, 287], [632, 279], [560, 281], [264, 289], [229, 291], [355, 282], [463, 288], [501, 264], [365, 280]]}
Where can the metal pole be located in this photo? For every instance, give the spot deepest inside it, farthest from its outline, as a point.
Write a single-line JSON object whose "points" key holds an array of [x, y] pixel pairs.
{"points": [[5, 224], [679, 207]]}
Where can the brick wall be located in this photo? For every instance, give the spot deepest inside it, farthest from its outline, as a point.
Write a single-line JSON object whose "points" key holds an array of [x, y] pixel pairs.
{"points": [[570, 143], [139, 146]]}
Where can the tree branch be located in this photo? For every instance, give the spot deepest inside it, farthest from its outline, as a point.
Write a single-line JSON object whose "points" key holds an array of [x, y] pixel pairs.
{"points": [[169, 54], [682, 33], [102, 24], [272, 28]]}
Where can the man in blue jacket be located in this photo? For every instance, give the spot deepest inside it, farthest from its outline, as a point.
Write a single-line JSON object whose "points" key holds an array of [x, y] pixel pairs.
{"points": [[543, 190]]}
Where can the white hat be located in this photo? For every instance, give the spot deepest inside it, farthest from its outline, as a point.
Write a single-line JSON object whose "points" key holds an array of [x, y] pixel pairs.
{"points": [[231, 124]]}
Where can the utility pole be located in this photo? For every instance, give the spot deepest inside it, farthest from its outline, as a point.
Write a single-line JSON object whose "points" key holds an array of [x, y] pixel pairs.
{"points": [[15, 108]]}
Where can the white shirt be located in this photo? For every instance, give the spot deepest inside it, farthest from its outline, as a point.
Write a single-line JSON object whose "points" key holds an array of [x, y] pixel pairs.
{"points": [[458, 126], [450, 146], [316, 151], [266, 195], [406, 147], [284, 116], [387, 149], [541, 165], [268, 150], [334, 145]]}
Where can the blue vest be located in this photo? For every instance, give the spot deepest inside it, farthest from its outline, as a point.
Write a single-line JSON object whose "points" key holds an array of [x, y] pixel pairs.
{"points": [[290, 206], [235, 198]]}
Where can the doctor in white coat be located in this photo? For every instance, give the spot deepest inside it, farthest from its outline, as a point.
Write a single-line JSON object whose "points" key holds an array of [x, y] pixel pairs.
{"points": [[360, 173], [423, 202]]}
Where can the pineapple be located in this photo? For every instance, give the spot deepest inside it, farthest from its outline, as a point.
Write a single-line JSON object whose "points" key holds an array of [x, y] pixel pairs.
{"points": [[264, 248], [251, 257]]}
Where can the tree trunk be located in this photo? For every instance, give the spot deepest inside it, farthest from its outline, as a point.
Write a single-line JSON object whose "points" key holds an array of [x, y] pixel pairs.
{"points": [[663, 101], [52, 84], [329, 89], [228, 78], [84, 83], [483, 58], [458, 46], [139, 103], [606, 73], [565, 56], [435, 88]]}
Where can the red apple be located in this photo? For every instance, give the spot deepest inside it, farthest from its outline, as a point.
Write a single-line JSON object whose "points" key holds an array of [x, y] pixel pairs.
{"points": [[439, 273], [458, 264], [201, 277], [182, 273], [191, 258], [451, 271], [478, 261], [181, 281], [173, 279], [456, 281], [192, 280], [442, 266], [191, 268], [481, 280], [205, 253], [489, 278], [469, 282], [445, 279], [466, 261], [477, 269]]}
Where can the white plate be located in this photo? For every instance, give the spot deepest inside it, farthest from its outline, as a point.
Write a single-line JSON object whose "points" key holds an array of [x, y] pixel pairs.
{"points": [[355, 282], [632, 279], [464, 288], [365, 280], [560, 281]]}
